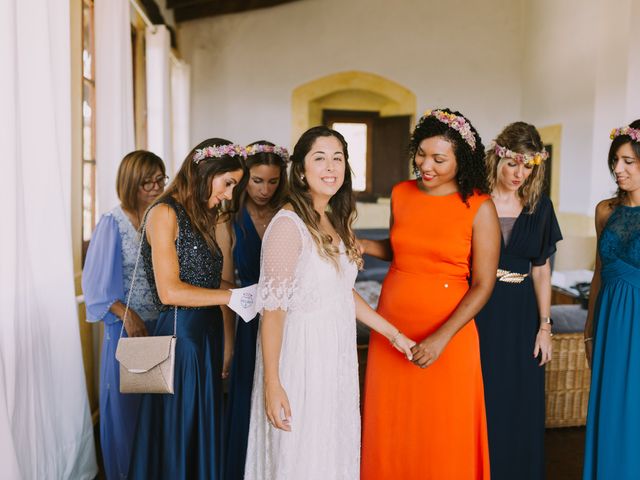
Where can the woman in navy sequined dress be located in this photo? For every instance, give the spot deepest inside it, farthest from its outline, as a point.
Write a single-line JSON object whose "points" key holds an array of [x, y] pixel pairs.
{"points": [[179, 436], [612, 331]]}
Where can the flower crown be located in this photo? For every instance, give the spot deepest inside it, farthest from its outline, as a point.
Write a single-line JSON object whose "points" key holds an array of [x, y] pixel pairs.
{"points": [[282, 152], [634, 133], [524, 158], [217, 151], [458, 123]]}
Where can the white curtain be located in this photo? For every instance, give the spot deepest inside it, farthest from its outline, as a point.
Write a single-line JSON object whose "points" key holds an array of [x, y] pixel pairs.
{"points": [[115, 134], [45, 424], [159, 138], [180, 103]]}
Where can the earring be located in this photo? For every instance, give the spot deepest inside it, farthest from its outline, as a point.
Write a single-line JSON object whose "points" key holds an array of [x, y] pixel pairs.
{"points": [[416, 171], [302, 177]]}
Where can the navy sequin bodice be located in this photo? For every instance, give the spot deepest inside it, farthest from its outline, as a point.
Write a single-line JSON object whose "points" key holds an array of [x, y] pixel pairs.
{"points": [[620, 239], [198, 265]]}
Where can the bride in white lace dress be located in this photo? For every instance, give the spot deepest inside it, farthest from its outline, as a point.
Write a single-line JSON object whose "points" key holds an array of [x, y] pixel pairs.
{"points": [[305, 415]]}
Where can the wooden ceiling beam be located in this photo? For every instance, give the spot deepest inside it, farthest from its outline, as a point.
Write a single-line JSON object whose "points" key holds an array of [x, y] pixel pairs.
{"points": [[211, 8]]}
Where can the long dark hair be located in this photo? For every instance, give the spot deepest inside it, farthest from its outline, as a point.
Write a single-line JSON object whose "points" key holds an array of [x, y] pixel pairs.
{"points": [[342, 206], [192, 187], [470, 174], [261, 158], [621, 195]]}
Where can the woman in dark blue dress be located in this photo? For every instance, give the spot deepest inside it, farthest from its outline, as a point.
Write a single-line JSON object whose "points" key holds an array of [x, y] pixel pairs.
{"points": [[254, 207], [612, 333], [514, 326], [179, 436]]}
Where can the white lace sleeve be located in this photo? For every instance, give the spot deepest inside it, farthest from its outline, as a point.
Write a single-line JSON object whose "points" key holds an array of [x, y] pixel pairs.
{"points": [[282, 248]]}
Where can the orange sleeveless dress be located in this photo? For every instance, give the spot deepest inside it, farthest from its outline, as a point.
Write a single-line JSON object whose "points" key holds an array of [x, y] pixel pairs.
{"points": [[426, 424]]}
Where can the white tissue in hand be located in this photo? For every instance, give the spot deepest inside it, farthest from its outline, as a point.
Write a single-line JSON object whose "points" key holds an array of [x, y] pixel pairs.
{"points": [[243, 302]]}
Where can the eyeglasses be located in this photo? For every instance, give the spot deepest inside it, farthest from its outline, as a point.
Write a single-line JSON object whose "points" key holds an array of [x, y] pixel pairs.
{"points": [[149, 185]]}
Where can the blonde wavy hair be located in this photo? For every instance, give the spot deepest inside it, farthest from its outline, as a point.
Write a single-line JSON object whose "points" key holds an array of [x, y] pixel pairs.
{"points": [[341, 210], [519, 137]]}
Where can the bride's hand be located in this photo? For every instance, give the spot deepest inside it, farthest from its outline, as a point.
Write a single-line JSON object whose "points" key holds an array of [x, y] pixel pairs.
{"points": [[276, 403], [403, 344]]}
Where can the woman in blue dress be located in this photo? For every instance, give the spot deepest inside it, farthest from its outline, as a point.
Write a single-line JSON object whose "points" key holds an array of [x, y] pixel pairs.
{"points": [[514, 326], [106, 280], [179, 436], [254, 208], [612, 333]]}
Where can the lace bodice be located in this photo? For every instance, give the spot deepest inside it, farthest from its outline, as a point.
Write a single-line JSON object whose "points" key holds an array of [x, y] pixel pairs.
{"points": [[292, 274], [620, 238], [142, 301]]}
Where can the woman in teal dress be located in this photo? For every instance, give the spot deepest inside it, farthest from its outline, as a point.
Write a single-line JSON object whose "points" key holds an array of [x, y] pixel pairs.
{"points": [[254, 207], [612, 331]]}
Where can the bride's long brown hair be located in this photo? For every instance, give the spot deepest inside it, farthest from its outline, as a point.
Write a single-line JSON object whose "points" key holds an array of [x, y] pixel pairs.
{"points": [[192, 187], [341, 210]]}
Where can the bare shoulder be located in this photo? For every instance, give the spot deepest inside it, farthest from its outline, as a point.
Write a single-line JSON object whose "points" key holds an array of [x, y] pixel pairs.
{"points": [[288, 206], [161, 218], [604, 209], [486, 213], [161, 213]]}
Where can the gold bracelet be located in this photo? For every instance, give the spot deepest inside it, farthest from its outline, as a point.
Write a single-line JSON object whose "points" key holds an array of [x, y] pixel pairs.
{"points": [[395, 337]]}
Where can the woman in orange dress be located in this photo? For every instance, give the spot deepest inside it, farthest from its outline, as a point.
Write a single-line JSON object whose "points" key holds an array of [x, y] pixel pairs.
{"points": [[427, 420]]}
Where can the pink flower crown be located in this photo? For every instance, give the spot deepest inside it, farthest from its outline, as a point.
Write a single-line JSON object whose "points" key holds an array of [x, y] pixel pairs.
{"points": [[524, 158], [217, 151], [634, 133], [458, 123], [282, 152]]}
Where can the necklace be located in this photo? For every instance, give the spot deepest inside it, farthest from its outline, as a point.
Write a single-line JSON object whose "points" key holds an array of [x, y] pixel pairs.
{"points": [[261, 220]]}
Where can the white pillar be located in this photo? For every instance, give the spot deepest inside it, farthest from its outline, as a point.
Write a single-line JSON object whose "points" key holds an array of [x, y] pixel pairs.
{"points": [[181, 111], [159, 139]]}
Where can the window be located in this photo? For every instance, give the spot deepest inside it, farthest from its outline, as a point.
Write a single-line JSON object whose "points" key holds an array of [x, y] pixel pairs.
{"points": [[88, 125], [377, 149]]}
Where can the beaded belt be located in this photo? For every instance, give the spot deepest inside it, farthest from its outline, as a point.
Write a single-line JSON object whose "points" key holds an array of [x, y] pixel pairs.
{"points": [[510, 277]]}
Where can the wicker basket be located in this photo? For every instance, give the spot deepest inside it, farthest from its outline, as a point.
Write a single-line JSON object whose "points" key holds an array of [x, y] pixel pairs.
{"points": [[567, 379]]}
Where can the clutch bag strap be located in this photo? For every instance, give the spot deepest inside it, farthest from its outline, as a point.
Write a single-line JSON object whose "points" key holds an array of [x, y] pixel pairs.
{"points": [[133, 279]]}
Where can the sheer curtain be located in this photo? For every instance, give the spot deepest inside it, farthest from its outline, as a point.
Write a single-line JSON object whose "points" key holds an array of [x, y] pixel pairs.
{"points": [[45, 424], [115, 133]]}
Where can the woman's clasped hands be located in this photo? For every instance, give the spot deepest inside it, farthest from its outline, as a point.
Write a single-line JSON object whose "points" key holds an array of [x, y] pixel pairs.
{"points": [[429, 350]]}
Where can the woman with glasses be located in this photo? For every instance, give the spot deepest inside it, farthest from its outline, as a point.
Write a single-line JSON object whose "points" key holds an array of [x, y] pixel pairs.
{"points": [[105, 283]]}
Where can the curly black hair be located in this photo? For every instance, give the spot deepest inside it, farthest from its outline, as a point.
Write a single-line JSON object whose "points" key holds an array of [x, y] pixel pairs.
{"points": [[471, 172]]}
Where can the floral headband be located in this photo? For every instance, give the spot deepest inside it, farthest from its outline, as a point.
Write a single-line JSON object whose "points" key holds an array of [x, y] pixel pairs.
{"points": [[634, 133], [524, 158], [458, 123], [282, 152], [217, 151]]}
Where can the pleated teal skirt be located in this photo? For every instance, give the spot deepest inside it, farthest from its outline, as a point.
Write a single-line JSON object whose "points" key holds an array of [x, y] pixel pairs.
{"points": [[612, 449]]}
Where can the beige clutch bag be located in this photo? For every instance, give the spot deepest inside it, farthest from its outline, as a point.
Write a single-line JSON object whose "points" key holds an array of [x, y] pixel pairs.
{"points": [[146, 363]]}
